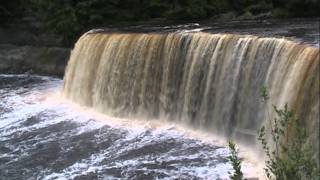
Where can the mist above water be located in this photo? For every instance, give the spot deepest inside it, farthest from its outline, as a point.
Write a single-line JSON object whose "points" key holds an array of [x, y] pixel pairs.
{"points": [[132, 98], [208, 81], [43, 136]]}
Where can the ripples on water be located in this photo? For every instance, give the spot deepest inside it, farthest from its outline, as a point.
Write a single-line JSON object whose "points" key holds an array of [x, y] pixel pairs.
{"points": [[41, 139]]}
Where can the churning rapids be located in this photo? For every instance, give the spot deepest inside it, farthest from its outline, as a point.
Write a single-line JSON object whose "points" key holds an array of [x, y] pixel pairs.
{"points": [[128, 101], [43, 137]]}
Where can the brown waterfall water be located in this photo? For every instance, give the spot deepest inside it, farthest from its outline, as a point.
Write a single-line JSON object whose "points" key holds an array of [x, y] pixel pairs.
{"points": [[207, 81]]}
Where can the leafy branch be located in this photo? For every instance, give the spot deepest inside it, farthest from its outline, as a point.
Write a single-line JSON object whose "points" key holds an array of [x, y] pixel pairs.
{"points": [[235, 161], [289, 156]]}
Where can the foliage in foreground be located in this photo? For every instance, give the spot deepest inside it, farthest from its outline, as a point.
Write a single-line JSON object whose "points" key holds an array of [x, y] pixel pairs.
{"points": [[290, 156], [235, 162]]}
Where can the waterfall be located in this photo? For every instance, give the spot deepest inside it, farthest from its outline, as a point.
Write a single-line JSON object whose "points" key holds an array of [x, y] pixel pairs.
{"points": [[207, 81]]}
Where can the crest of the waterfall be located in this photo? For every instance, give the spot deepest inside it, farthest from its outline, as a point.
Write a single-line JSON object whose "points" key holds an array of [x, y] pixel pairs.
{"points": [[209, 81]]}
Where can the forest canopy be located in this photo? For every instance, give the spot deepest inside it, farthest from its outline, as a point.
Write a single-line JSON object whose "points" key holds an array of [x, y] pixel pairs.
{"points": [[71, 17]]}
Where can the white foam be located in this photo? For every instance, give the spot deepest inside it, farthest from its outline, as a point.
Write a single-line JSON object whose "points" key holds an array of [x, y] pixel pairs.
{"points": [[136, 134]]}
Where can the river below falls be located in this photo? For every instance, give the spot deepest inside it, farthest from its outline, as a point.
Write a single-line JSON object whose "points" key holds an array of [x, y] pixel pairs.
{"points": [[44, 137]]}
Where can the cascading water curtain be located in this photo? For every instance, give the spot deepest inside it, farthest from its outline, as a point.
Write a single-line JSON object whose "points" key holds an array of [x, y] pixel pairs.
{"points": [[209, 81]]}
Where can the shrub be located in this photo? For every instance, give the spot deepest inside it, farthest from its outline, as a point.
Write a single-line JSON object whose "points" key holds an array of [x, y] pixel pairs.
{"points": [[289, 156], [235, 162]]}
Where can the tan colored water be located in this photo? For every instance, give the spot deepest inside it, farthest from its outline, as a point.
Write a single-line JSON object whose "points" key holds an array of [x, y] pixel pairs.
{"points": [[208, 81]]}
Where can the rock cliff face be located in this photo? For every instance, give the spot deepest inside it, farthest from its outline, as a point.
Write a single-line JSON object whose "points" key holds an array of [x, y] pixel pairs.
{"points": [[25, 48], [37, 60]]}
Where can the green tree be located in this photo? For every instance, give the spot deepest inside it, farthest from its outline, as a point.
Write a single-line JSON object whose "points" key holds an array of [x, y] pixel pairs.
{"points": [[71, 18], [296, 8], [289, 156], [59, 17]]}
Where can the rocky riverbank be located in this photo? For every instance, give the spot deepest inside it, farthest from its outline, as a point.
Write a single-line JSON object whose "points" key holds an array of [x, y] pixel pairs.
{"points": [[32, 59], [24, 47]]}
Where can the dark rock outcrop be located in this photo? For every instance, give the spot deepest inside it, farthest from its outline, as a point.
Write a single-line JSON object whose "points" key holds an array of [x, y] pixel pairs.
{"points": [[26, 47], [38, 60]]}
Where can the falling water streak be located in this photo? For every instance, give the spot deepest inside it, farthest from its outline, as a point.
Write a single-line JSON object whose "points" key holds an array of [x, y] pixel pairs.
{"points": [[209, 81]]}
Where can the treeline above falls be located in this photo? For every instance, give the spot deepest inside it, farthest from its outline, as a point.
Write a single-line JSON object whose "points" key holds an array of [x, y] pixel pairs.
{"points": [[70, 18], [207, 81]]}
